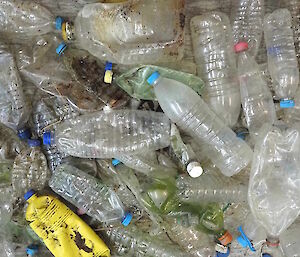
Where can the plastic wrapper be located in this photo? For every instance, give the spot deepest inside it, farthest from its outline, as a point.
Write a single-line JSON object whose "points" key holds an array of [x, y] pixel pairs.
{"points": [[134, 81], [13, 109], [274, 185]]}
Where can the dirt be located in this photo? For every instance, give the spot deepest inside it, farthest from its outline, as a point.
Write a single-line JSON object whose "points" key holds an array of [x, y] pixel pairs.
{"points": [[80, 242]]}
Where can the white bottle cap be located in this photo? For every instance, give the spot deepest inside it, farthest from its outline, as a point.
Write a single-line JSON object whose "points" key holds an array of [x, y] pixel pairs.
{"points": [[194, 169]]}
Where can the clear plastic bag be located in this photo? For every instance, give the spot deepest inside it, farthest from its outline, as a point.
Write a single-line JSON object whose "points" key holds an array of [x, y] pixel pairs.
{"points": [[274, 185]]}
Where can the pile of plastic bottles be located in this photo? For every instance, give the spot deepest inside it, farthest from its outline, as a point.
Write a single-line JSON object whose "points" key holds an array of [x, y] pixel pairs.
{"points": [[149, 128]]}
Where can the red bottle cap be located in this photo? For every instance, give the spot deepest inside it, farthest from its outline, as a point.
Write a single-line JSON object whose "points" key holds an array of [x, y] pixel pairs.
{"points": [[240, 47]]}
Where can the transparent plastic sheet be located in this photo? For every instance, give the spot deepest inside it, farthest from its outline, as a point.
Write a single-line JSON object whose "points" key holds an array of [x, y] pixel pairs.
{"points": [[20, 21], [53, 78], [134, 81], [159, 37], [87, 194], [274, 185], [13, 107]]}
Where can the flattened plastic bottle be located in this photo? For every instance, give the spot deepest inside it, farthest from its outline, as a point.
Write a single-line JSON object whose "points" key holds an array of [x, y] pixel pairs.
{"points": [[187, 109], [89, 194], [30, 169], [132, 32], [13, 108], [247, 22], [282, 60], [22, 20], [256, 97], [110, 134], [216, 65]]}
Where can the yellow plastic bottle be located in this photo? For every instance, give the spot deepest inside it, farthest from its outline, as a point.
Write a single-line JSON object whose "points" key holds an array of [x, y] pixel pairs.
{"points": [[62, 231]]}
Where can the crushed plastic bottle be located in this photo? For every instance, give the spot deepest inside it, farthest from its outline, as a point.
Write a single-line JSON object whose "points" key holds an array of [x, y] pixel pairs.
{"points": [[193, 116], [62, 231], [256, 97], [30, 169], [13, 111], [23, 20], [128, 33], [273, 192], [89, 195], [185, 154], [247, 23], [111, 134], [282, 60], [216, 65]]}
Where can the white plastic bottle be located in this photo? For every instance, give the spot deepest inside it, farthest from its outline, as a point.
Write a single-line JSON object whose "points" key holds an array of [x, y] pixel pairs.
{"points": [[89, 194], [192, 115], [247, 22], [256, 97], [282, 60], [216, 65], [131, 32], [30, 169], [110, 134]]}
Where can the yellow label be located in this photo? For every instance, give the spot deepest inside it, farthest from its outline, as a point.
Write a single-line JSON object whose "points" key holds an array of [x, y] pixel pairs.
{"points": [[64, 32], [108, 76], [62, 231]]}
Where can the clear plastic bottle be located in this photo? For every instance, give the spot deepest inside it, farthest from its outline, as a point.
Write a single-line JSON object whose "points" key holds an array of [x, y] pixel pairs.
{"points": [[22, 20], [186, 108], [109, 134], [256, 97], [294, 7], [132, 32], [132, 241], [47, 113], [282, 60], [30, 169], [196, 243], [289, 240], [247, 22], [88, 194], [13, 111], [216, 65], [273, 193], [292, 115], [211, 187]]}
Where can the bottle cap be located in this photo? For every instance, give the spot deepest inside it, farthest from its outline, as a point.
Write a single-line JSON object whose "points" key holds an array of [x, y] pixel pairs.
{"points": [[28, 194], [127, 219], [153, 77], [24, 133], [287, 103], [226, 238], [266, 255], [241, 46], [47, 138], [242, 134], [115, 162], [58, 22], [244, 241], [33, 142], [218, 254], [32, 250], [108, 66], [61, 48], [194, 169]]}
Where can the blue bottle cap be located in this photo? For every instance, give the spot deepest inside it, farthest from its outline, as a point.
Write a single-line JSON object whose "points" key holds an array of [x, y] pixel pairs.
{"points": [[32, 250], [244, 241], [127, 219], [108, 66], [61, 48], [58, 22], [241, 135], [47, 138], [288, 103], [33, 142], [115, 162], [266, 255], [153, 77], [24, 134], [28, 194], [218, 254]]}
